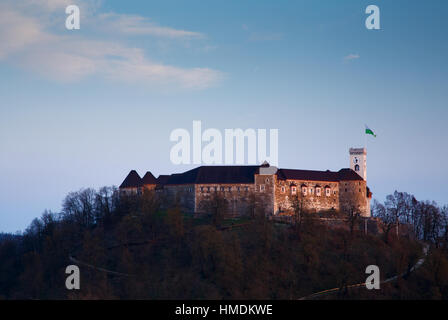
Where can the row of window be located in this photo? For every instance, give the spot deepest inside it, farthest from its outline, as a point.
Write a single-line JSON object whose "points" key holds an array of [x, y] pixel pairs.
{"points": [[223, 189], [310, 190], [305, 190]]}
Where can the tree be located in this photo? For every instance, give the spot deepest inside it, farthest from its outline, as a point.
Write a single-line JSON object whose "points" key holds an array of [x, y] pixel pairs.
{"points": [[353, 215], [216, 205], [79, 206], [388, 220], [298, 213]]}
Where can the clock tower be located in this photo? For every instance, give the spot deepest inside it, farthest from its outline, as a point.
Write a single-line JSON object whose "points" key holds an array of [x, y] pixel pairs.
{"points": [[358, 161]]}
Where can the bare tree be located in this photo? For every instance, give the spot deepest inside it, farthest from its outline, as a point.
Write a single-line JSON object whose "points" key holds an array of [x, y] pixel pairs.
{"points": [[388, 220], [298, 213], [353, 214], [216, 205]]}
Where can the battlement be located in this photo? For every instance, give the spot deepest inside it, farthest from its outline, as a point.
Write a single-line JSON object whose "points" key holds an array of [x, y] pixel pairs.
{"points": [[358, 151]]}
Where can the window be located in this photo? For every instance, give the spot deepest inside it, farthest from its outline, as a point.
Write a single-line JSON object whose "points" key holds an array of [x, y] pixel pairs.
{"points": [[357, 167], [283, 189], [327, 192], [261, 187], [230, 189], [238, 189], [246, 188], [267, 180], [311, 191], [318, 192], [304, 191], [222, 189], [208, 189], [293, 190], [202, 189]]}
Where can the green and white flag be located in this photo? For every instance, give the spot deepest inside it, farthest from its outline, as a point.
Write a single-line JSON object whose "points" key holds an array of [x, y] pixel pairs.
{"points": [[370, 131]]}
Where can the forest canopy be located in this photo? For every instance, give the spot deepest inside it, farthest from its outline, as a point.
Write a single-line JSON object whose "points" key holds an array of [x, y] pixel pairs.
{"points": [[128, 247]]}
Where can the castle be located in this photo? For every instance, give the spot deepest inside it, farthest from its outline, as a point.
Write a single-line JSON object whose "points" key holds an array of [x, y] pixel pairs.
{"points": [[317, 191]]}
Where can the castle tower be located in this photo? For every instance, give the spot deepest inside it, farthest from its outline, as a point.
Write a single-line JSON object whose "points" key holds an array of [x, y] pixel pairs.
{"points": [[358, 161]]}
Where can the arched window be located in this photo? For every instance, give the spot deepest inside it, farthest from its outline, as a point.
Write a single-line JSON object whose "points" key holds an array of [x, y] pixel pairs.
{"points": [[357, 167], [304, 190]]}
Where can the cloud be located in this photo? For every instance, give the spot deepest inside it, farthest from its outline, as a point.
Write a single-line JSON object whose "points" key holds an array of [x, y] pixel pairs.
{"points": [[30, 42], [262, 36], [137, 25], [18, 32], [351, 56]]}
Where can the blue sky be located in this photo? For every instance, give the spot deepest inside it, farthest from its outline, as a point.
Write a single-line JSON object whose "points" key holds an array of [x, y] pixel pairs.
{"points": [[81, 108]]}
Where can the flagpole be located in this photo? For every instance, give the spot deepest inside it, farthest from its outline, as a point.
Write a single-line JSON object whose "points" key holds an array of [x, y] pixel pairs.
{"points": [[365, 139]]}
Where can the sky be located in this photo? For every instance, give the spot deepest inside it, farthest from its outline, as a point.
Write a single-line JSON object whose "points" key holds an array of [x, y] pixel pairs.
{"points": [[81, 108]]}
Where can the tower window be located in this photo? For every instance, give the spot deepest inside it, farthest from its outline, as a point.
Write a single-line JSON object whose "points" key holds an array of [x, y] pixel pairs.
{"points": [[357, 167], [304, 191]]}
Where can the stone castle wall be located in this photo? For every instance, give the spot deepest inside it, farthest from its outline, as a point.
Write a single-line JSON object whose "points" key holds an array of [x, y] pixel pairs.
{"points": [[353, 196], [237, 197], [265, 192], [182, 195], [313, 195], [274, 195]]}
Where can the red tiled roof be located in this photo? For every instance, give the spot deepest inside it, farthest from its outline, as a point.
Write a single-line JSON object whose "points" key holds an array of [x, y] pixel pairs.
{"points": [[215, 174], [133, 180], [162, 180], [235, 174], [149, 179], [347, 174], [312, 175]]}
